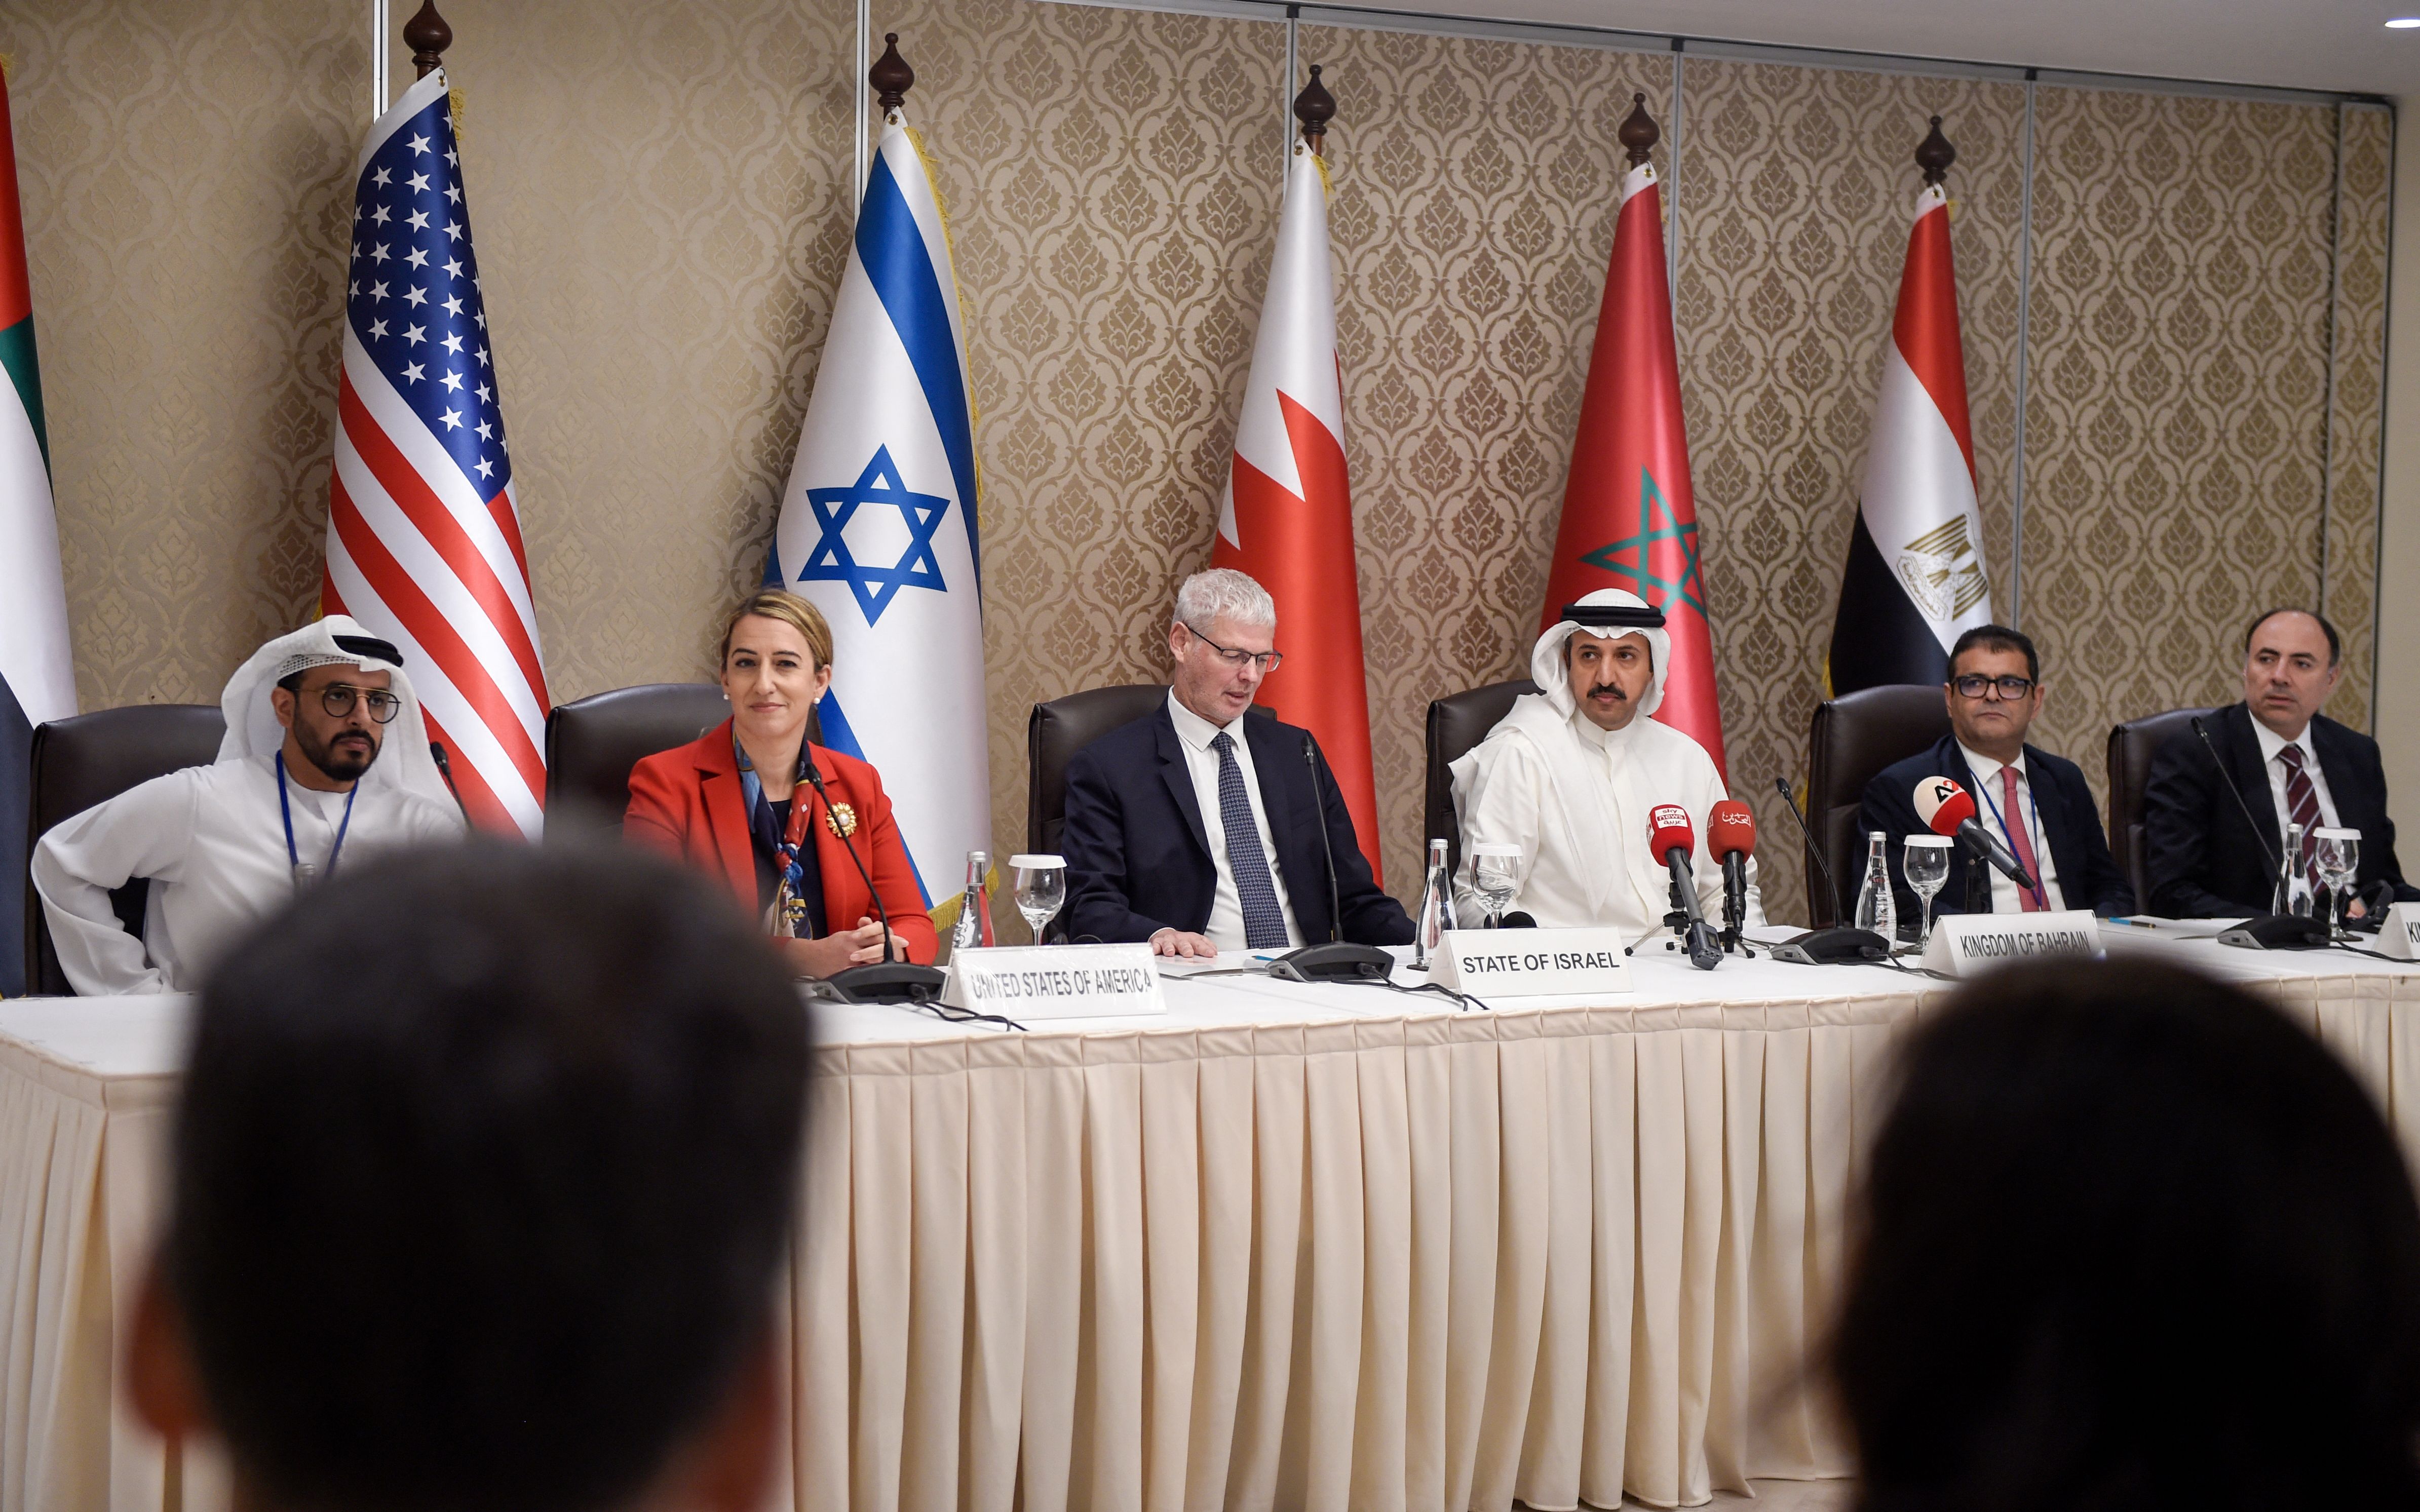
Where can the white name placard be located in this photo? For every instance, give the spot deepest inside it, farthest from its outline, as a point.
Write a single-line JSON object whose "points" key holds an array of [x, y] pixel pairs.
{"points": [[1521, 962], [2399, 936], [1965, 945], [1055, 981]]}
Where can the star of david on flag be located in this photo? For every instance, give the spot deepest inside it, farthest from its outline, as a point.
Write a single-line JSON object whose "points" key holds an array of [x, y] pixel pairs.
{"points": [[879, 526], [831, 561]]}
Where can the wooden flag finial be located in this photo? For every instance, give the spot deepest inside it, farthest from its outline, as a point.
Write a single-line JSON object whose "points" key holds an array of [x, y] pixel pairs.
{"points": [[429, 36], [1639, 132], [1314, 107], [1935, 154], [890, 75]]}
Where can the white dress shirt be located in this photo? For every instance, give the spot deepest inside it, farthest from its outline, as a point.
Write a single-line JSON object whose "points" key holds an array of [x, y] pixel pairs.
{"points": [[1226, 927], [2270, 744], [2006, 898], [211, 840]]}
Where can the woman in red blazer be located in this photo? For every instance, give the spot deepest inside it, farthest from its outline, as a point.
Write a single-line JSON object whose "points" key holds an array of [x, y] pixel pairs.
{"points": [[737, 802]]}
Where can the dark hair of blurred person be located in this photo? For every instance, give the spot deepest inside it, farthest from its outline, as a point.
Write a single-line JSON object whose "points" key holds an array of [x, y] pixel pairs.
{"points": [[2131, 1239], [483, 1171]]}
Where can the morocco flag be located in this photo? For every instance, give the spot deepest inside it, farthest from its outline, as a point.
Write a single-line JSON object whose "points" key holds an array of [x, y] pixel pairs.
{"points": [[1915, 579], [1287, 518], [36, 678], [1630, 519]]}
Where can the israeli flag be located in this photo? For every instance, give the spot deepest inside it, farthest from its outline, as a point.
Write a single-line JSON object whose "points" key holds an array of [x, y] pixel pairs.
{"points": [[879, 527]]}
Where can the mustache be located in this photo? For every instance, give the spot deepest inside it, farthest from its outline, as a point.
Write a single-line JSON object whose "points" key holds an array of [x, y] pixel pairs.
{"points": [[1609, 688]]}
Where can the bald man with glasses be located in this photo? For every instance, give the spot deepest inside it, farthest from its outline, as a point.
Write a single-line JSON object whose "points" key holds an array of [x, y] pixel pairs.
{"points": [[2038, 804]]}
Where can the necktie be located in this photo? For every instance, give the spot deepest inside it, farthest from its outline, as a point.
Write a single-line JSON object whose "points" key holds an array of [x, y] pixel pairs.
{"points": [[2303, 808], [2021, 837], [1265, 926]]}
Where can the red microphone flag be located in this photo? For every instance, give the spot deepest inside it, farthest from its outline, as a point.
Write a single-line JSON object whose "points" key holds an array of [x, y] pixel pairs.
{"points": [[1630, 519], [1288, 514]]}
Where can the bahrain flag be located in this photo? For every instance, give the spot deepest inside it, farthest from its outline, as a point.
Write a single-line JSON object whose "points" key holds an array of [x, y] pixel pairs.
{"points": [[1287, 518], [1630, 519]]}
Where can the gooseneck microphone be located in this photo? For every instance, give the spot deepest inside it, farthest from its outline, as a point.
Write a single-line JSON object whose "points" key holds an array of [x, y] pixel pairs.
{"points": [[445, 770], [1948, 808], [1814, 852], [1841, 943], [889, 980], [1670, 840], [2268, 845], [1731, 838], [1327, 846]]}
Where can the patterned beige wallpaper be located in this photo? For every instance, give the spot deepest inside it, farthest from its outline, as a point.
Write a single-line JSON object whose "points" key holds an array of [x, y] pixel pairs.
{"points": [[659, 195]]}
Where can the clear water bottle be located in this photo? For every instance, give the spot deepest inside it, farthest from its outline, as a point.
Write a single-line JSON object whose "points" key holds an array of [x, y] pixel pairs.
{"points": [[969, 935], [2293, 894], [1877, 910], [1437, 906]]}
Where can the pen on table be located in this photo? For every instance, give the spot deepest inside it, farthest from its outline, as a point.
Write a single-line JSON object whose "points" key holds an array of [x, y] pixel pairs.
{"points": [[2129, 923]]}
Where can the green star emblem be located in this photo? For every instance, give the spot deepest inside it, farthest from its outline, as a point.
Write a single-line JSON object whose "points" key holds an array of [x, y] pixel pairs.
{"points": [[1656, 523]]}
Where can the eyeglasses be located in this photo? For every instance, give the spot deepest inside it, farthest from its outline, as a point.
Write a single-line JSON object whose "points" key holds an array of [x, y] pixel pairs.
{"points": [[1974, 685], [1266, 660], [337, 699]]}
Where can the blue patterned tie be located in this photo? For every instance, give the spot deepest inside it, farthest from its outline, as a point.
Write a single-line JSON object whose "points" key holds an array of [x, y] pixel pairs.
{"points": [[1264, 927]]}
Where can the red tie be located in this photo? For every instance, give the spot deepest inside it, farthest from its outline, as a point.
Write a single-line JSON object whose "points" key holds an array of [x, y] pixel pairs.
{"points": [[2021, 837], [2303, 808]]}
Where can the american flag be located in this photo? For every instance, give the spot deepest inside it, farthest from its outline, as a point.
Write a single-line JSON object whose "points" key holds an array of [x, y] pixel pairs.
{"points": [[424, 541]]}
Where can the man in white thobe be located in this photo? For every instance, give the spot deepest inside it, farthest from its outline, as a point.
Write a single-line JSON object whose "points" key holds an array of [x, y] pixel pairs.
{"points": [[304, 783], [1568, 777]]}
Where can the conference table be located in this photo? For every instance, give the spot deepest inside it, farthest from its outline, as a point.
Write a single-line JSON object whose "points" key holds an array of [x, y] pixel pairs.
{"points": [[1284, 1246]]}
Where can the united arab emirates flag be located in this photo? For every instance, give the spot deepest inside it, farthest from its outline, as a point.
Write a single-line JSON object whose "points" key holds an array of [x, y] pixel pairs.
{"points": [[1914, 578], [37, 677], [1630, 519]]}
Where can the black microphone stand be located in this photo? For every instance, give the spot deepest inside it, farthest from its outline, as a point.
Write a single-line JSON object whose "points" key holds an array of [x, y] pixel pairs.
{"points": [[2271, 930], [889, 982], [1841, 942], [1332, 958]]}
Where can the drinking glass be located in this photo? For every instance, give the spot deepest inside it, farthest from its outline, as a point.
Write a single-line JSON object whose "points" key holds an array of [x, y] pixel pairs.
{"points": [[1494, 875], [1041, 888], [1924, 858], [2338, 856]]}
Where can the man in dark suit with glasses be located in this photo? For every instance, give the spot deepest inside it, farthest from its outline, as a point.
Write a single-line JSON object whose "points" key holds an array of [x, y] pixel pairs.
{"points": [[2037, 804]]}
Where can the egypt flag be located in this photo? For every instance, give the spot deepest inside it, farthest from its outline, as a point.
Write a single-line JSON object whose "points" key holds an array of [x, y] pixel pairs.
{"points": [[879, 525], [424, 541], [1287, 518], [1915, 579], [36, 678], [1630, 518]]}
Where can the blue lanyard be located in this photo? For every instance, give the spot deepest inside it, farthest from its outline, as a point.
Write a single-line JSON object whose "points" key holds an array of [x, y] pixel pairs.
{"points": [[286, 812], [2032, 833]]}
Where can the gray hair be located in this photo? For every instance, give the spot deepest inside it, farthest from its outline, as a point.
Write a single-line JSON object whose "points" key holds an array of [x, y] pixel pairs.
{"points": [[1204, 596]]}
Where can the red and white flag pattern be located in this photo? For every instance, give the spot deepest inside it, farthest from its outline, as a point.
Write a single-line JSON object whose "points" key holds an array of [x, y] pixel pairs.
{"points": [[1287, 518], [424, 541]]}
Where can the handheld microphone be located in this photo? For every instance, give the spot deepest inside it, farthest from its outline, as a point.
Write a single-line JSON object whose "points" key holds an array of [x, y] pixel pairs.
{"points": [[1731, 838], [1670, 840], [1841, 943], [445, 770], [1948, 808], [889, 982], [1327, 846]]}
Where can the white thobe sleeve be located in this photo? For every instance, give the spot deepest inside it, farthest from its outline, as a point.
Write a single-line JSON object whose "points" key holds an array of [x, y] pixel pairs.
{"points": [[146, 831], [1502, 799]]}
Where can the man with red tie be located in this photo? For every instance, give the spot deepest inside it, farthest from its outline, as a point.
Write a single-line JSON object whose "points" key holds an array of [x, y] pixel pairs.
{"points": [[2035, 803], [2289, 763]]}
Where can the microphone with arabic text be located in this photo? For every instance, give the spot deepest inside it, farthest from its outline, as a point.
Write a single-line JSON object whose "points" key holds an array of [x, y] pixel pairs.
{"points": [[1671, 840], [1948, 808], [1731, 838]]}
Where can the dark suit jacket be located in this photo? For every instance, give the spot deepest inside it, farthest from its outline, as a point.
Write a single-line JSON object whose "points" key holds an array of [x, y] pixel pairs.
{"points": [[1139, 856], [2079, 852], [2206, 863]]}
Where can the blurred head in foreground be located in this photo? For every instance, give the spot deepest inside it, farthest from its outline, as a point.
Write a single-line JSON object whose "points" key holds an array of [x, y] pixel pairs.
{"points": [[483, 1171], [2131, 1239]]}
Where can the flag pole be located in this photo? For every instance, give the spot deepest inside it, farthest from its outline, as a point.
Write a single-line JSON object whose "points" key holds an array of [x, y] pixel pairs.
{"points": [[864, 39], [382, 21], [1314, 107], [429, 36]]}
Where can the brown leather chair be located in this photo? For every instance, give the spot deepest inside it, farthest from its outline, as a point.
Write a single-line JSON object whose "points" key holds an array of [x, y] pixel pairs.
{"points": [[89, 758], [2131, 746], [592, 743], [1058, 730], [1852, 739], [1455, 724]]}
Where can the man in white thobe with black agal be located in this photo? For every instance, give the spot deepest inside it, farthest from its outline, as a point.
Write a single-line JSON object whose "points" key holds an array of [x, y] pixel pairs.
{"points": [[1570, 775], [306, 781]]}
